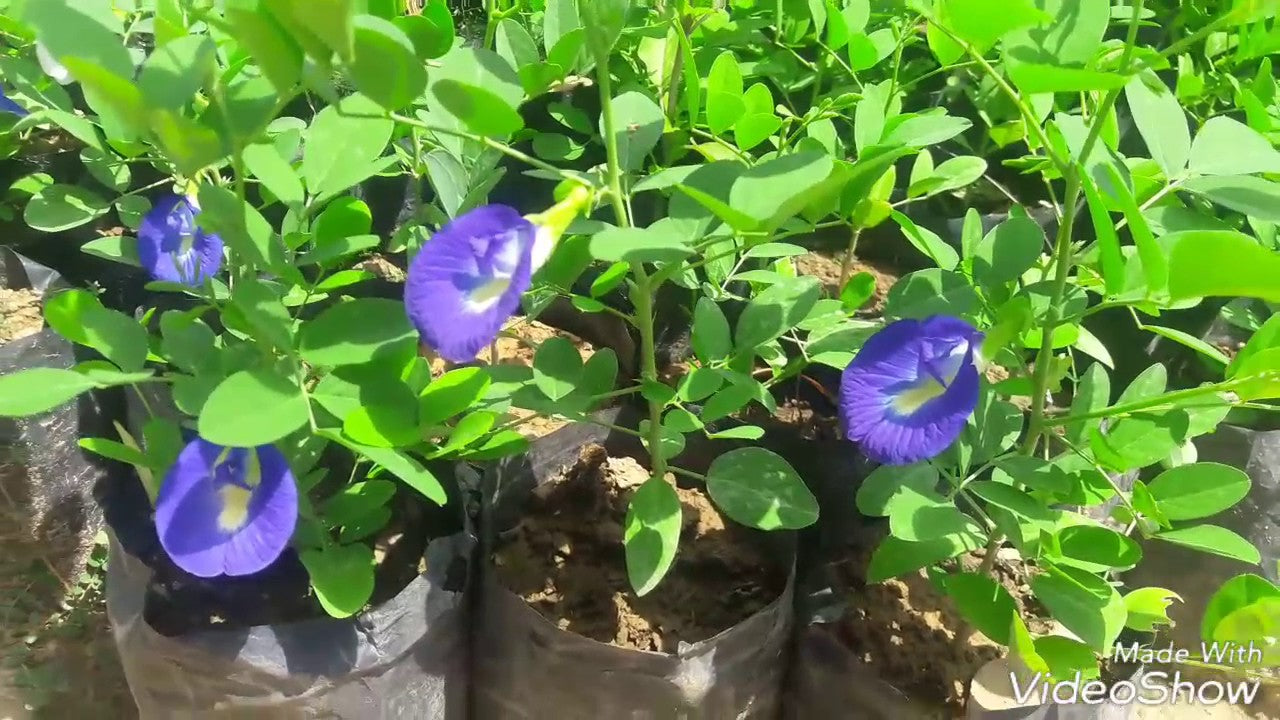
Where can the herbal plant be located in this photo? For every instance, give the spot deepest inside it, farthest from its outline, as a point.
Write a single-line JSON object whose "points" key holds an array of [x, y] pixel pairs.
{"points": [[1020, 462], [274, 360]]}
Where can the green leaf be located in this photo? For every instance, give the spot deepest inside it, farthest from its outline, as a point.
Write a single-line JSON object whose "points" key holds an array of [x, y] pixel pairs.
{"points": [[1239, 592], [1110, 258], [1259, 376], [1190, 492], [1204, 263], [1190, 341], [173, 73], [1160, 121], [1072, 32], [560, 19], [758, 488], [265, 163], [450, 394], [617, 244], [355, 332], [342, 143], [930, 292], [118, 102], [557, 368], [1008, 251], [1092, 394], [724, 94], [1229, 147], [1213, 539], [1155, 267], [1149, 383], [515, 44], [398, 463], [432, 32], [1250, 629], [775, 311], [856, 292], [877, 491], [106, 168], [267, 41], [1097, 549], [776, 190], [1253, 196], [1084, 603], [259, 302], [116, 248], [357, 500], [1140, 439], [917, 131], [981, 23], [385, 66], [603, 21], [1011, 499], [342, 576], [62, 207], [36, 390], [1148, 608], [984, 603], [711, 336], [1266, 337], [481, 111], [918, 516], [652, 533], [330, 21], [80, 317], [1041, 78], [894, 557], [253, 407], [927, 242], [189, 145]]}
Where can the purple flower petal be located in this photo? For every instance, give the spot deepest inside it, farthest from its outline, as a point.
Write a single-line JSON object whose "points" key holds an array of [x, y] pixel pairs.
{"points": [[173, 248], [911, 388], [9, 106], [214, 517], [467, 280]]}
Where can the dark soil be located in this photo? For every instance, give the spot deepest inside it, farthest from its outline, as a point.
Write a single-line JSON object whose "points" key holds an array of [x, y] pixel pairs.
{"points": [[906, 628], [566, 560], [827, 269], [20, 314]]}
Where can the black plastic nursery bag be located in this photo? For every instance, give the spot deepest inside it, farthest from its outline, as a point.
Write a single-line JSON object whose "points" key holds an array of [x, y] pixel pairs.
{"points": [[527, 667], [42, 468], [405, 659]]}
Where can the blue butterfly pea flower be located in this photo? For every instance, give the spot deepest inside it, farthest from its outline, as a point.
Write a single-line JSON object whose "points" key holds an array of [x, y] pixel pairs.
{"points": [[171, 247], [226, 511], [911, 388]]}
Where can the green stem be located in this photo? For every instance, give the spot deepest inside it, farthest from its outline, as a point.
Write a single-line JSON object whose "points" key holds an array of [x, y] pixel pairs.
{"points": [[1062, 254], [490, 27], [1159, 401], [643, 292], [486, 141]]}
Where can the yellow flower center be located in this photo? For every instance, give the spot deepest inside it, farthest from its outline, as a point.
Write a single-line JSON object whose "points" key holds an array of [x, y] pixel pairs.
{"points": [[235, 508]]}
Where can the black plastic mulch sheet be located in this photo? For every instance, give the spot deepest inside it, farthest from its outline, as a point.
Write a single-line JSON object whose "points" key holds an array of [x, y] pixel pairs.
{"points": [[526, 667]]}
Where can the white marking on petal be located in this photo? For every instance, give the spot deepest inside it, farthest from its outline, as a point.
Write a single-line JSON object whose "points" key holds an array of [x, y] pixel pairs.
{"points": [[544, 242], [487, 295], [51, 67]]}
